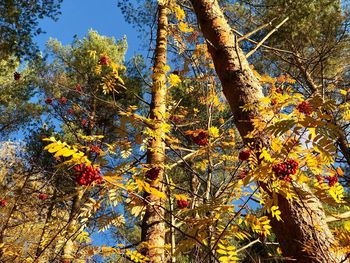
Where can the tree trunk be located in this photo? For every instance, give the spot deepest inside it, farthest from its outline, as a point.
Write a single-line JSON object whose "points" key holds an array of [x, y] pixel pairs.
{"points": [[153, 227], [303, 234], [68, 248]]}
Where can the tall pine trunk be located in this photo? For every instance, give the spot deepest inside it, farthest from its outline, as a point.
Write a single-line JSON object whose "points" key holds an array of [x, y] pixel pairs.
{"points": [[153, 226], [303, 234]]}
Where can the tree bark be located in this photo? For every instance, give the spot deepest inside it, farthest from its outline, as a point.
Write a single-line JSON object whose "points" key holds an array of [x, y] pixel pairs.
{"points": [[68, 248], [153, 226], [303, 234]]}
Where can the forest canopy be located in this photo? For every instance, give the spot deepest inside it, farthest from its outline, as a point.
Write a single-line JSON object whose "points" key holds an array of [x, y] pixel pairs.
{"points": [[227, 142]]}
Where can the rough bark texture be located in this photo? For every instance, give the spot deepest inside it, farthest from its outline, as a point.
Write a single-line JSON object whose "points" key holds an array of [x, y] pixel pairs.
{"points": [[68, 248], [297, 234], [153, 227]]}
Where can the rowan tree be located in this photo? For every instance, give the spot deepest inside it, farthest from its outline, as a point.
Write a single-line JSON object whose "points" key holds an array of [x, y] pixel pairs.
{"points": [[236, 158]]}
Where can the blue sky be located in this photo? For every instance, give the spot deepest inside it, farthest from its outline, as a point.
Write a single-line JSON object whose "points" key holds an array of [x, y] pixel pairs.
{"points": [[78, 16]]}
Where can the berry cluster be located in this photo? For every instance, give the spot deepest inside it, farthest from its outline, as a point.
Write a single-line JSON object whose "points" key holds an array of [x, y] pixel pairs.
{"points": [[242, 175], [279, 90], [95, 149], [63, 100], [153, 173], [84, 122], [181, 203], [244, 154], [87, 174], [48, 101], [3, 203], [319, 178], [332, 180], [17, 76], [273, 102], [70, 111], [78, 88], [200, 137], [305, 108], [103, 60], [285, 169], [42, 196]]}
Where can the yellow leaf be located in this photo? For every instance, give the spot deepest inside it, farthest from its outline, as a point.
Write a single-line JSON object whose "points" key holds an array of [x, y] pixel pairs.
{"points": [[214, 132], [156, 192], [343, 92], [174, 80], [179, 13], [347, 226], [184, 27]]}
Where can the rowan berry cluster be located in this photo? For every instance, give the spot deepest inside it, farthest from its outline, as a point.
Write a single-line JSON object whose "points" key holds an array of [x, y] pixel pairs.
{"points": [[285, 170], [200, 137], [87, 174], [43, 196], [103, 60], [63, 100], [95, 149], [305, 108], [319, 178], [17, 76], [242, 175], [181, 203], [70, 111], [332, 180], [3, 203], [84, 122], [244, 154], [48, 101], [153, 173], [78, 88]]}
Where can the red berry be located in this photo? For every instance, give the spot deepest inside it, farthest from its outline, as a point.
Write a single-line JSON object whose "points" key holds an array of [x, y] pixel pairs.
{"points": [[48, 101], [153, 173], [288, 179], [305, 108], [244, 154], [84, 122], [70, 111], [87, 174], [200, 137], [63, 100], [181, 204], [319, 178], [285, 169], [3, 203], [273, 102], [279, 90], [243, 175], [78, 88], [95, 149], [42, 196], [332, 180], [103, 60], [17, 76]]}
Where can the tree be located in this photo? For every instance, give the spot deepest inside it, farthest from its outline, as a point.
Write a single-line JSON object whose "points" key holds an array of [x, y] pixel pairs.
{"points": [[239, 82], [19, 24], [153, 229], [16, 91], [214, 185]]}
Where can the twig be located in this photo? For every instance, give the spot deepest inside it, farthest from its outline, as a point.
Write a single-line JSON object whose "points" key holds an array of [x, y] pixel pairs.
{"points": [[266, 37]]}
